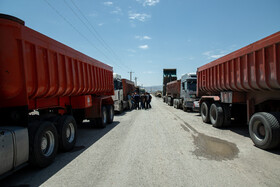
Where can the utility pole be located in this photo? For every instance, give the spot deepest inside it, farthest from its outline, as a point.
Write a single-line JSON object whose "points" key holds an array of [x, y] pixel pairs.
{"points": [[130, 75], [135, 81]]}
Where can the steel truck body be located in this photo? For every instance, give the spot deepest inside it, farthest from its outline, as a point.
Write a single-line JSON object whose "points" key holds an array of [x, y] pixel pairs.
{"points": [[173, 89], [46, 89], [245, 84]]}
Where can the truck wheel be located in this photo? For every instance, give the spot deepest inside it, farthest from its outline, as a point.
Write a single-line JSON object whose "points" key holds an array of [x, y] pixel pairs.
{"points": [[110, 115], [43, 143], [101, 122], [204, 111], [216, 115], [227, 115], [67, 131], [264, 129]]}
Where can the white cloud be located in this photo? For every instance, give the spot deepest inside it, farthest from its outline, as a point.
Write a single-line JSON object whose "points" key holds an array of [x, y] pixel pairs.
{"points": [[144, 47], [217, 56], [117, 10], [108, 3], [146, 38], [138, 16], [131, 50], [213, 54], [149, 2], [100, 24], [148, 72], [143, 37]]}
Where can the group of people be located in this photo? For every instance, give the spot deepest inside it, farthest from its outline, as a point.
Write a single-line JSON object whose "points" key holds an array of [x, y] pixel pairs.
{"points": [[141, 101]]}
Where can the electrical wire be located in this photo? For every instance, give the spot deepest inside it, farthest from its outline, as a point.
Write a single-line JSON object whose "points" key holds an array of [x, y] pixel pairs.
{"points": [[97, 35], [78, 31]]}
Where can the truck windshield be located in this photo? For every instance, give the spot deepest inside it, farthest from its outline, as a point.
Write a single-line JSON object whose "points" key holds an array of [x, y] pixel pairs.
{"points": [[191, 85], [117, 84]]}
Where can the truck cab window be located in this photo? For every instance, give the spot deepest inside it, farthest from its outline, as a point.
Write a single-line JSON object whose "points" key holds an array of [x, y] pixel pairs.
{"points": [[117, 84], [191, 85]]}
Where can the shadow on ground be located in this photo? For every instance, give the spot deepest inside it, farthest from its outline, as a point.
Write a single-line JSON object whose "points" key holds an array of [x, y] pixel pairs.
{"points": [[87, 135]]}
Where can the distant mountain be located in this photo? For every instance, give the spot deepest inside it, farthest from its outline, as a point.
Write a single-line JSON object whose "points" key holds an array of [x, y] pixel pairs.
{"points": [[153, 88]]}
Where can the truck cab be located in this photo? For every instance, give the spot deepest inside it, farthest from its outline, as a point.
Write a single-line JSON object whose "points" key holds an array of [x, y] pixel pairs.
{"points": [[188, 99], [118, 97], [188, 91]]}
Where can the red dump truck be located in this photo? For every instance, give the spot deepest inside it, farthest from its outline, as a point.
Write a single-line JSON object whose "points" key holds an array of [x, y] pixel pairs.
{"points": [[62, 85], [123, 88], [173, 90], [245, 83]]}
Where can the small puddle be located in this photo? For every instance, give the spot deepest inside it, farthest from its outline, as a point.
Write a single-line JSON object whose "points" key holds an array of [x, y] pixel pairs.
{"points": [[213, 148]]}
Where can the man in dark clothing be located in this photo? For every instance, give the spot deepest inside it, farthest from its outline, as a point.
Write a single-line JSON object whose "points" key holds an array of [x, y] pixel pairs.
{"points": [[136, 100], [143, 101], [149, 99]]}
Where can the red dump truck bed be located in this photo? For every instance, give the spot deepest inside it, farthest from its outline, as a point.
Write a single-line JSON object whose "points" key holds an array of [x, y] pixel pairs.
{"points": [[128, 87], [255, 67], [173, 89], [39, 72]]}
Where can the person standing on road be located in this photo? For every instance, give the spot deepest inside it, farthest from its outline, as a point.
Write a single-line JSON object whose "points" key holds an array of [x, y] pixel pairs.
{"points": [[143, 101], [132, 101], [149, 100], [136, 99]]}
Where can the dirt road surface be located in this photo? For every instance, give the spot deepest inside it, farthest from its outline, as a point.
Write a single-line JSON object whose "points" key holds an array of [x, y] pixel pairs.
{"points": [[161, 146]]}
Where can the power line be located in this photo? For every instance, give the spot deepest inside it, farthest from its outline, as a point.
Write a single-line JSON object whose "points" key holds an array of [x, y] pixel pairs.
{"points": [[78, 31], [83, 22], [97, 35], [75, 29]]}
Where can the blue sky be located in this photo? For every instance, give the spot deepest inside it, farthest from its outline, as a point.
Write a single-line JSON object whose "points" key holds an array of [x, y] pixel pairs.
{"points": [[145, 36]]}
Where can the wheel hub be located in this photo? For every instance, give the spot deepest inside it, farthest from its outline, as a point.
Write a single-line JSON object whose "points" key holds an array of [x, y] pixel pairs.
{"points": [[104, 116], [47, 143], [70, 133], [261, 130], [44, 143]]}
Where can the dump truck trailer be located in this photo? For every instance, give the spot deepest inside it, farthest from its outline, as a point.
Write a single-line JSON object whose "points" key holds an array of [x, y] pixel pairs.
{"points": [[46, 89], [245, 83], [173, 91]]}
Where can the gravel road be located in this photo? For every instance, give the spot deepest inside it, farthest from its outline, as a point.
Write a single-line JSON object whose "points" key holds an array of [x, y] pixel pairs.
{"points": [[161, 146]]}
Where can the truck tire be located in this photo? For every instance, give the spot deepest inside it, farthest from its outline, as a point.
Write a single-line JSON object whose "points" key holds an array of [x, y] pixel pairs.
{"points": [[43, 143], [67, 132], [110, 114], [216, 115], [204, 111], [264, 129], [227, 115], [101, 122]]}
